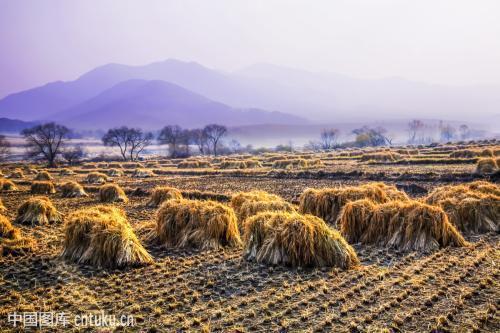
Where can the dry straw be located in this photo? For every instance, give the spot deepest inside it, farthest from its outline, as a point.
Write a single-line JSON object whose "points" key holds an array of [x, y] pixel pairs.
{"points": [[292, 163], [115, 165], [43, 175], [291, 239], [66, 172], [11, 240], [96, 178], [472, 208], [38, 211], [193, 164], [142, 173], [404, 225], [114, 172], [238, 199], [381, 157], [132, 165], [17, 174], [43, 187], [464, 153], [88, 166], [486, 166], [7, 185], [3, 209], [112, 193], [241, 164], [72, 189], [102, 237], [327, 203], [488, 152], [183, 223], [162, 194], [251, 208]]}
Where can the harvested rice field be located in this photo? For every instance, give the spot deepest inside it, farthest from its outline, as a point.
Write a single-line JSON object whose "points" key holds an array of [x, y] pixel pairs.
{"points": [[234, 250]]}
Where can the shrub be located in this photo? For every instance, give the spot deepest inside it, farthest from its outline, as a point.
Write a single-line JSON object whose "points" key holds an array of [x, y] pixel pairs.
{"points": [[112, 193], [72, 190], [43, 187], [327, 203], [207, 224], [102, 237], [96, 178], [43, 175], [404, 225], [162, 194], [291, 239], [38, 210]]}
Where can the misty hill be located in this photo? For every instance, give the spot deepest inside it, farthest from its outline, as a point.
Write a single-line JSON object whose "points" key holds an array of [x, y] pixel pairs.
{"points": [[52, 98], [388, 98], [153, 104], [13, 125], [325, 97]]}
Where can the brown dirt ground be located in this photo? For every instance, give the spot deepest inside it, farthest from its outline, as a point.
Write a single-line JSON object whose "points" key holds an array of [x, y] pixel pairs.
{"points": [[454, 289]]}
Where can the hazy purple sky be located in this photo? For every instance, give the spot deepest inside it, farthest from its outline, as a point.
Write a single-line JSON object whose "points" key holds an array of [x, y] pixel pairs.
{"points": [[437, 41]]}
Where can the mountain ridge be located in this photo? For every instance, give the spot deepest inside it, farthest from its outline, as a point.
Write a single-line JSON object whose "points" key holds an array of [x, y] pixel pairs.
{"points": [[321, 97], [155, 103]]}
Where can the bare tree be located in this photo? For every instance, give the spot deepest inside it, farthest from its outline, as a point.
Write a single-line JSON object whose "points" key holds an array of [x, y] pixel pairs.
{"points": [[139, 140], [4, 147], [172, 135], [464, 131], [130, 141], [46, 141], [414, 127], [314, 145], [329, 138], [73, 155], [214, 133], [447, 132], [118, 137], [366, 136], [235, 146], [198, 137]]}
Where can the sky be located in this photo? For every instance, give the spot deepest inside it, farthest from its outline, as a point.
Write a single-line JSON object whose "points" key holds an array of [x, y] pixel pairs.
{"points": [[452, 42]]}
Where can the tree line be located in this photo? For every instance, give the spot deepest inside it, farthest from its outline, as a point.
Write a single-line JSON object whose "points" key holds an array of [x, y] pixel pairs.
{"points": [[48, 141]]}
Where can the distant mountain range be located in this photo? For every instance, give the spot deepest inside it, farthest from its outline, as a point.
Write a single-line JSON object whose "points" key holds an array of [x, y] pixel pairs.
{"points": [[189, 94], [152, 104], [14, 125]]}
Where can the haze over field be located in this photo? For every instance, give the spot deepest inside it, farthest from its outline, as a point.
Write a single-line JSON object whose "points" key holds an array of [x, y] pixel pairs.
{"points": [[95, 65]]}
